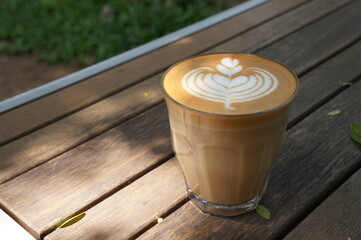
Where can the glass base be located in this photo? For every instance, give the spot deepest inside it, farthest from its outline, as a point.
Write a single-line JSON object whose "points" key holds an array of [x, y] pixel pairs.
{"points": [[224, 210]]}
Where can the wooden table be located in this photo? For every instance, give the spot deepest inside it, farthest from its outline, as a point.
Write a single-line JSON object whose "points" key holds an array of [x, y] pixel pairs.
{"points": [[102, 146]]}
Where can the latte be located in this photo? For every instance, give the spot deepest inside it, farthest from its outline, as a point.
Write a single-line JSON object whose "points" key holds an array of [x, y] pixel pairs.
{"points": [[228, 116]]}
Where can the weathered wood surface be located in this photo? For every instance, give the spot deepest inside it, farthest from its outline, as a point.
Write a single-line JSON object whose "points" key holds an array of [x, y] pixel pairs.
{"points": [[317, 156], [331, 32], [48, 215], [133, 208], [54, 139], [79, 178], [326, 81], [59, 104], [337, 218], [279, 27]]}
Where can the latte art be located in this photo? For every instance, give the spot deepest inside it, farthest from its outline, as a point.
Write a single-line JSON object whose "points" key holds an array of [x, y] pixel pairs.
{"points": [[229, 83]]}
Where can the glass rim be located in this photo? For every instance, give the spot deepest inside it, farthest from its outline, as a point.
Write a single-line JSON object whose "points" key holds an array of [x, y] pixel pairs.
{"points": [[285, 103]]}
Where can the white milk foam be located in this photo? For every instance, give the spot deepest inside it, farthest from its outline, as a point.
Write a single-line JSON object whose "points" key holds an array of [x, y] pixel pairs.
{"points": [[229, 83]]}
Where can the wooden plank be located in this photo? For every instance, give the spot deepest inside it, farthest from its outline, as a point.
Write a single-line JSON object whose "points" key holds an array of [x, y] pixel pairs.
{"points": [[52, 140], [42, 197], [10, 230], [344, 67], [279, 27], [87, 154], [55, 106], [136, 207], [328, 32], [317, 156], [338, 217]]}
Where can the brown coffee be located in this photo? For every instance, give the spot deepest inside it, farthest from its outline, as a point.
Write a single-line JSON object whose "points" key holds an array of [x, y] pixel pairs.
{"points": [[228, 115]]}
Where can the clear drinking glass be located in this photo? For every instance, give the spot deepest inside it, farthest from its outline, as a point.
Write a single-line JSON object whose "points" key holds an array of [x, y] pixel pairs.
{"points": [[226, 159]]}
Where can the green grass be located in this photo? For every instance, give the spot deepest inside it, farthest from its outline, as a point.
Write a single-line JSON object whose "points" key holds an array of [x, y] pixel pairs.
{"points": [[75, 31]]}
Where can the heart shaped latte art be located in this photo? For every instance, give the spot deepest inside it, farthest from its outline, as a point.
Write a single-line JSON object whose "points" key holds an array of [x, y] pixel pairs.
{"points": [[227, 84]]}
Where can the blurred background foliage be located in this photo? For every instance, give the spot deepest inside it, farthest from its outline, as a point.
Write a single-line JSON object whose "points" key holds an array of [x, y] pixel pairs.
{"points": [[83, 32]]}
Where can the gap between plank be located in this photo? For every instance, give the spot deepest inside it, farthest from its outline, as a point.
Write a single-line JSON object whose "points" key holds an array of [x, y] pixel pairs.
{"points": [[172, 209], [116, 189], [116, 124], [265, 22], [324, 101], [309, 69]]}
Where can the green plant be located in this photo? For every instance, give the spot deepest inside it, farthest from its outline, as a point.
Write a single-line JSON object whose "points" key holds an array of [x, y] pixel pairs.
{"points": [[84, 32]]}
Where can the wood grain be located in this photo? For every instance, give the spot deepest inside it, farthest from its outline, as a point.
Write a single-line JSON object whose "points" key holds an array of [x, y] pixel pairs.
{"points": [[338, 217], [59, 104], [52, 140], [43, 196], [132, 208], [317, 156], [331, 32], [325, 81], [279, 27]]}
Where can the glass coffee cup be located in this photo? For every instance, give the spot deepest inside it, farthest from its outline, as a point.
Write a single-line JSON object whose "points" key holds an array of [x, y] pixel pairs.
{"points": [[228, 116]]}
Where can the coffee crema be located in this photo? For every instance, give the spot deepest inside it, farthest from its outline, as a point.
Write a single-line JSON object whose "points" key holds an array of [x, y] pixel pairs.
{"points": [[229, 83]]}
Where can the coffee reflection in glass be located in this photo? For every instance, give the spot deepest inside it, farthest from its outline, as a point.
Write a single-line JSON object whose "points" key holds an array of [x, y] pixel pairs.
{"points": [[228, 116]]}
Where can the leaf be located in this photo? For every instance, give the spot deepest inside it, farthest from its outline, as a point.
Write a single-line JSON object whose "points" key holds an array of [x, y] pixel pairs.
{"points": [[345, 83], [334, 112], [146, 94], [355, 132], [263, 211], [72, 220]]}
